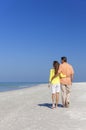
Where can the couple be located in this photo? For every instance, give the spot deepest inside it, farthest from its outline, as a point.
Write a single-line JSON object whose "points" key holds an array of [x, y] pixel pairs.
{"points": [[61, 76]]}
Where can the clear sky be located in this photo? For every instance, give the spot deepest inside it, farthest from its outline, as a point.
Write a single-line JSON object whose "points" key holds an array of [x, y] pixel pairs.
{"points": [[33, 33]]}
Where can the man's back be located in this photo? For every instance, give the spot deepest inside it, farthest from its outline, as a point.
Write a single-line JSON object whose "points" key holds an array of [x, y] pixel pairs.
{"points": [[67, 70]]}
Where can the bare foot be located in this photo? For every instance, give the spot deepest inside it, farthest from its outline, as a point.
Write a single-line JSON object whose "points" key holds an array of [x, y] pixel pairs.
{"points": [[56, 105], [53, 106]]}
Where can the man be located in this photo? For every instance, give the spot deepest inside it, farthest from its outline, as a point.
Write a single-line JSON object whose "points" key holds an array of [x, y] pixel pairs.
{"points": [[66, 82]]}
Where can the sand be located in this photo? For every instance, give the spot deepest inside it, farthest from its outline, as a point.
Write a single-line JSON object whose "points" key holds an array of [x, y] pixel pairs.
{"points": [[30, 109]]}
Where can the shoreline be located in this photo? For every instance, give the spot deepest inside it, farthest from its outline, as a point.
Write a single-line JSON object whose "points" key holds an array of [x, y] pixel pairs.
{"points": [[14, 88]]}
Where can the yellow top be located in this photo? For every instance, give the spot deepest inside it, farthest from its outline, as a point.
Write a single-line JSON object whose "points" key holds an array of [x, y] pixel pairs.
{"points": [[56, 80]]}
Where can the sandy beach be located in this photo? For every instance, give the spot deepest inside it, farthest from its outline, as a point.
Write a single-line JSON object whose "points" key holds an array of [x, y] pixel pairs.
{"points": [[30, 109]]}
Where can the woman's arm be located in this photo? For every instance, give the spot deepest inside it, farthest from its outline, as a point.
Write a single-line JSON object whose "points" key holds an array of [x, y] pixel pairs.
{"points": [[57, 74]]}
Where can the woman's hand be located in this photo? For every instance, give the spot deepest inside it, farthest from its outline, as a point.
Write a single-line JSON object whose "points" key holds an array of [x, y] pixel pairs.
{"points": [[49, 85]]}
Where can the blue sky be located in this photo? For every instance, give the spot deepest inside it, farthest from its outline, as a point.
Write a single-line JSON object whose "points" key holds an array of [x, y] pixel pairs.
{"points": [[33, 33]]}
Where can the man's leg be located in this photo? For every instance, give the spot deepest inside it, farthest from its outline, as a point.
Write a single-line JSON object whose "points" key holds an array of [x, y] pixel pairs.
{"points": [[68, 90], [63, 89]]}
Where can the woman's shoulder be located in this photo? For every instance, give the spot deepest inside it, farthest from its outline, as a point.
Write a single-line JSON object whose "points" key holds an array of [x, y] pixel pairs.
{"points": [[52, 69]]}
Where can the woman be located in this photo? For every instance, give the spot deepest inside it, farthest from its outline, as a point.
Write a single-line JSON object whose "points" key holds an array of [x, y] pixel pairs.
{"points": [[54, 82]]}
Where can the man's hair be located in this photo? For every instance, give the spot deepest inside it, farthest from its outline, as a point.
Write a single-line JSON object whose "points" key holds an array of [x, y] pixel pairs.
{"points": [[64, 59]]}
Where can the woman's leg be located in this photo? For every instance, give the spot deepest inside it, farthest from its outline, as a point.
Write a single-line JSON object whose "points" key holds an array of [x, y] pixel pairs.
{"points": [[53, 100], [53, 95], [57, 93], [57, 99]]}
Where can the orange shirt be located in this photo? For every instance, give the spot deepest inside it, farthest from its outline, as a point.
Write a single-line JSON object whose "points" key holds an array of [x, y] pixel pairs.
{"points": [[67, 70]]}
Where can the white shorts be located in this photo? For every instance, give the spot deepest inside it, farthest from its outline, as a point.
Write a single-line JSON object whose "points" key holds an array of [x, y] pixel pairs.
{"points": [[55, 88]]}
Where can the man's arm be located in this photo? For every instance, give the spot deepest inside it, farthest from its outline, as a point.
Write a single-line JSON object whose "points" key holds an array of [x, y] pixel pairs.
{"points": [[72, 74]]}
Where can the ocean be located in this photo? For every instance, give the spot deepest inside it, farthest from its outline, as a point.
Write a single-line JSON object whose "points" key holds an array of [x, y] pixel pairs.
{"points": [[10, 86]]}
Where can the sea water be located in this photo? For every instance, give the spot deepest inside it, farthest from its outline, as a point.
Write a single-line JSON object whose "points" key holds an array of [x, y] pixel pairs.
{"points": [[9, 86]]}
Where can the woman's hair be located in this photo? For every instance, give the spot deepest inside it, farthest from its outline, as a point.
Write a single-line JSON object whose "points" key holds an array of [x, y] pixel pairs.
{"points": [[56, 66]]}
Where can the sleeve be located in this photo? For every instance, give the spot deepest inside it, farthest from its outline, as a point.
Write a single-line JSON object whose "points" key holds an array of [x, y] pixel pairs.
{"points": [[50, 77], [62, 75]]}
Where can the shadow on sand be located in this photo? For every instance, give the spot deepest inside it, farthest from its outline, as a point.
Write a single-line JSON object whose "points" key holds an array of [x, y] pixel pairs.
{"points": [[49, 105]]}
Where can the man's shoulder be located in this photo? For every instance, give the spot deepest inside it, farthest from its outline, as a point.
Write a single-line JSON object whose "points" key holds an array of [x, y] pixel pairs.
{"points": [[70, 65], [66, 65]]}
